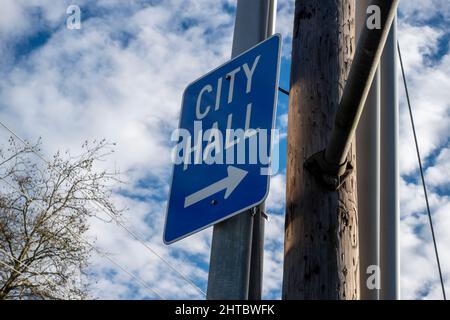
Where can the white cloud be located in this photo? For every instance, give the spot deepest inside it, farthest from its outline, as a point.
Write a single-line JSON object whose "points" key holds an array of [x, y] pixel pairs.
{"points": [[285, 23], [428, 80], [101, 82], [415, 11], [429, 95], [121, 77], [275, 200], [419, 272], [273, 256], [439, 173]]}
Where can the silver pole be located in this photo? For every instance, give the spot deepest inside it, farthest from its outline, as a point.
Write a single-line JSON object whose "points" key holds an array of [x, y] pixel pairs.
{"points": [[390, 207], [272, 19], [257, 254], [233, 241], [368, 178]]}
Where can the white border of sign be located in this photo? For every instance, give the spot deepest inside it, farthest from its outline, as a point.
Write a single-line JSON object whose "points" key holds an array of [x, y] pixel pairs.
{"points": [[273, 126]]}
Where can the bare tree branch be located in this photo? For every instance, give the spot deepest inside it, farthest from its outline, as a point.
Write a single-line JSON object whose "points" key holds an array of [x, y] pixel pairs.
{"points": [[43, 208]]}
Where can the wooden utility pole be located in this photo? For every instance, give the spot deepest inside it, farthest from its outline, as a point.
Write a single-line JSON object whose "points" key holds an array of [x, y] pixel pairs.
{"points": [[321, 231]]}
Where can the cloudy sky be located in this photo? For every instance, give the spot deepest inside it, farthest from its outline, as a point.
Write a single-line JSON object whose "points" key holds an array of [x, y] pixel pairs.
{"points": [[121, 77]]}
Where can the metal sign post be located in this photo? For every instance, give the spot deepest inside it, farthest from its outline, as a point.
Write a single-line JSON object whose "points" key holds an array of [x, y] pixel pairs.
{"points": [[368, 177], [235, 270], [390, 204]]}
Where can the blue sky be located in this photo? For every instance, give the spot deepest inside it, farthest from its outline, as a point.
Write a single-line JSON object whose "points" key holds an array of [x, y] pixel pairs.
{"points": [[121, 77]]}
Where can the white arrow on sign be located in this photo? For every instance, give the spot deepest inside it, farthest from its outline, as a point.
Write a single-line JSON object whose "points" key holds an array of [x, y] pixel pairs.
{"points": [[229, 183]]}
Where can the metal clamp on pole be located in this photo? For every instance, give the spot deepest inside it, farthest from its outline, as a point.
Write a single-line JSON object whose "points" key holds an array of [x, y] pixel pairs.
{"points": [[330, 166], [263, 213], [331, 176]]}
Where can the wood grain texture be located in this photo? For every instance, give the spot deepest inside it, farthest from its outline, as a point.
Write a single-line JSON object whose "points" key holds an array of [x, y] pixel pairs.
{"points": [[321, 230]]}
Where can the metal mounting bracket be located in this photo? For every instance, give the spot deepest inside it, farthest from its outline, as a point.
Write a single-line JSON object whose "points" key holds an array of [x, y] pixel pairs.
{"points": [[264, 214], [330, 176]]}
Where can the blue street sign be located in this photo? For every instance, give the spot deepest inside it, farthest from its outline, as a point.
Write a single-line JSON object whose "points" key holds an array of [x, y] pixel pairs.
{"points": [[223, 152]]}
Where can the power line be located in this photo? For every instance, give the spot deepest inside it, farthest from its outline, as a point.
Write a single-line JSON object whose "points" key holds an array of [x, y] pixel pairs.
{"points": [[421, 171], [26, 267], [19, 272], [133, 234], [122, 225], [11, 268], [138, 279]]}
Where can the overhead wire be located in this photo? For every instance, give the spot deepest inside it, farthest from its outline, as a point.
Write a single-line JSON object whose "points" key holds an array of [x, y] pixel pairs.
{"points": [[104, 255], [26, 267], [119, 223], [430, 219]]}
